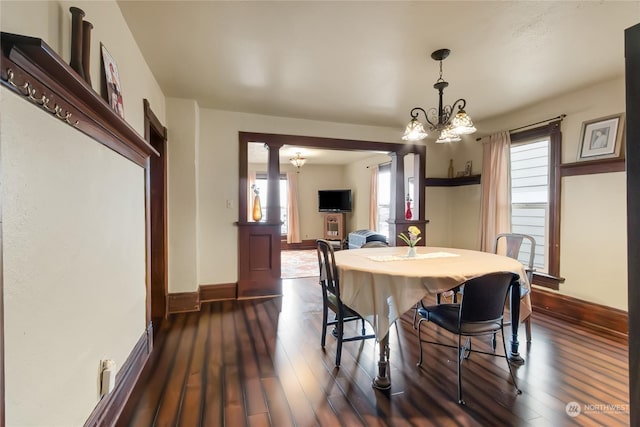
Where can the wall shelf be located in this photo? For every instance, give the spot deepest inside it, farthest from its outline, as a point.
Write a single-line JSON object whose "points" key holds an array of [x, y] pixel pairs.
{"points": [[452, 182], [34, 71]]}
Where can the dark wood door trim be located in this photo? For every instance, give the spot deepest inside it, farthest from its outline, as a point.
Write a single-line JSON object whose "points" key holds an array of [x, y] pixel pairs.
{"points": [[156, 203], [263, 276]]}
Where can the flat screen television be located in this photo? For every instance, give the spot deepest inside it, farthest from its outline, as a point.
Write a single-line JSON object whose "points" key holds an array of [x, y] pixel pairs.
{"points": [[334, 200]]}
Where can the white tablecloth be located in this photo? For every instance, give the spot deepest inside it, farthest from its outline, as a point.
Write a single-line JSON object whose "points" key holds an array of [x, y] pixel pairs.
{"points": [[382, 283]]}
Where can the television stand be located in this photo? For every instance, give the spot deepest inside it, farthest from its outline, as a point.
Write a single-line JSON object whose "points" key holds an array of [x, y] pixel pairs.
{"points": [[334, 229]]}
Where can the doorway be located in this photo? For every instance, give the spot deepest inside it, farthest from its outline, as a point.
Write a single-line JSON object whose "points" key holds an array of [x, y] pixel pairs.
{"points": [[259, 256]]}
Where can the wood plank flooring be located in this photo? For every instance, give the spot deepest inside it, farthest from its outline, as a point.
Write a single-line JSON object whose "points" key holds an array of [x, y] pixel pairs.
{"points": [[259, 363]]}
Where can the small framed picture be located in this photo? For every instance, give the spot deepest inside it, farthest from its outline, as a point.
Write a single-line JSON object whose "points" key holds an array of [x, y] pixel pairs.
{"points": [[112, 80], [467, 168], [602, 138]]}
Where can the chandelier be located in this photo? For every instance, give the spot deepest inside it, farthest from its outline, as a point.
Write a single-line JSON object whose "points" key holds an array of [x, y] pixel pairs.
{"points": [[444, 119], [298, 161]]}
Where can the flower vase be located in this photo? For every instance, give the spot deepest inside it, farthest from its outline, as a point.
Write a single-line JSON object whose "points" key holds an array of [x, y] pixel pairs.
{"points": [[408, 214], [411, 252], [257, 209]]}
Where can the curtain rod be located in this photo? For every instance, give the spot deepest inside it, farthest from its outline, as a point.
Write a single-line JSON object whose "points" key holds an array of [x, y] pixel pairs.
{"points": [[561, 116]]}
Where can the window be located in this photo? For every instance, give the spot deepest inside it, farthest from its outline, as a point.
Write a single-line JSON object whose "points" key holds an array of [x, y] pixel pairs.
{"points": [[384, 198], [261, 183], [530, 196], [535, 196]]}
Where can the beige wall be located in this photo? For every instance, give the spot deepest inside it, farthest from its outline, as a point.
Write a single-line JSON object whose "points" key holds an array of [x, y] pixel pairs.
{"points": [[593, 251], [218, 182], [73, 231], [358, 178], [74, 264]]}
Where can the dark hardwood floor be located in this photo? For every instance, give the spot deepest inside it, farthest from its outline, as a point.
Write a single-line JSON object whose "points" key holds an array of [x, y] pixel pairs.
{"points": [[259, 363]]}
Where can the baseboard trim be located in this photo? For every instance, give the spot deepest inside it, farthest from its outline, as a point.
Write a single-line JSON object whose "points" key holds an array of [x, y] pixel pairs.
{"points": [[182, 302], [599, 318], [217, 292], [305, 244], [109, 408]]}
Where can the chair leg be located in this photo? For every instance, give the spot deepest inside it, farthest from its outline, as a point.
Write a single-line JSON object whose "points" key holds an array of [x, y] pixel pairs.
{"points": [[323, 340], [506, 356], [364, 329], [419, 344], [340, 332], [460, 357], [527, 328]]}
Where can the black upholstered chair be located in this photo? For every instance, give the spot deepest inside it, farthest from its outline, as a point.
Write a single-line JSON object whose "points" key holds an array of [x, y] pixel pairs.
{"points": [[479, 313], [330, 284]]}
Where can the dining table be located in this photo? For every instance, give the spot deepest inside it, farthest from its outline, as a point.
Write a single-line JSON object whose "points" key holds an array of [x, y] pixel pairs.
{"points": [[381, 284]]}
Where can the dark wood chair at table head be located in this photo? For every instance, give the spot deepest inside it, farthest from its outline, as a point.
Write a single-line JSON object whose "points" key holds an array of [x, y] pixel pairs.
{"points": [[481, 312], [517, 244], [330, 283]]}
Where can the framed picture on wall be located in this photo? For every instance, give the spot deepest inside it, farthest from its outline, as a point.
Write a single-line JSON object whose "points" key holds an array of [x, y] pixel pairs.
{"points": [[112, 80], [602, 138]]}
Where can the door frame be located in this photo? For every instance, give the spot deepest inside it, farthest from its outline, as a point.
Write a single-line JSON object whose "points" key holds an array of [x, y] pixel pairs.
{"points": [[156, 207], [259, 268]]}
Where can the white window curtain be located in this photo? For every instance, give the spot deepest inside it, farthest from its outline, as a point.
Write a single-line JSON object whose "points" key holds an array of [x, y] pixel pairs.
{"points": [[373, 199], [250, 195], [293, 214], [495, 205]]}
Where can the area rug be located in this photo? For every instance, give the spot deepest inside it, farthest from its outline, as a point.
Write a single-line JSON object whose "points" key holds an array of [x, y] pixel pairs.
{"points": [[296, 264]]}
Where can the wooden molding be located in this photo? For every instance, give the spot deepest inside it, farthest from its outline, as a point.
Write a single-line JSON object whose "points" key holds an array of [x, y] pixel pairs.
{"points": [[217, 292], [592, 167], [110, 407], [547, 280], [452, 182], [599, 318], [181, 302], [31, 69], [305, 244]]}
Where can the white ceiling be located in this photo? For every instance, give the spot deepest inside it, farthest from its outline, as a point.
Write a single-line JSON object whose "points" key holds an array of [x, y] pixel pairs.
{"points": [[369, 62]]}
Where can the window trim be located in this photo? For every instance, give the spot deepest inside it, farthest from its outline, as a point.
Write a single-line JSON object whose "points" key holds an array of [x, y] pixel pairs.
{"points": [[552, 131]]}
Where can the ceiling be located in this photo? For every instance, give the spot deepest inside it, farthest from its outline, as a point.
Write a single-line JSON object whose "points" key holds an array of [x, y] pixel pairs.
{"points": [[369, 62]]}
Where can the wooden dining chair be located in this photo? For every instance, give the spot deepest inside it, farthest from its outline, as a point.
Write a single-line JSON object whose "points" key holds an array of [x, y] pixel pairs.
{"points": [[330, 283], [481, 312]]}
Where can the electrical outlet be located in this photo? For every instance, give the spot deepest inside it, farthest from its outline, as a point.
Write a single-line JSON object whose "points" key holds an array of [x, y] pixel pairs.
{"points": [[229, 202], [107, 377]]}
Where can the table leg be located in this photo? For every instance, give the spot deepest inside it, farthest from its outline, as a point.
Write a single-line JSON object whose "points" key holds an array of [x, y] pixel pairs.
{"points": [[514, 356], [382, 380]]}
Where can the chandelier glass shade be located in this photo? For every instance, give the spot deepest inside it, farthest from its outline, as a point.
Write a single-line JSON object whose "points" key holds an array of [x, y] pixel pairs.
{"points": [[298, 161], [445, 120]]}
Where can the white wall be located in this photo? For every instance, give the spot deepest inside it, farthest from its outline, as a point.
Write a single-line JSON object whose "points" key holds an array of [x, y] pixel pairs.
{"points": [[593, 207], [72, 210]]}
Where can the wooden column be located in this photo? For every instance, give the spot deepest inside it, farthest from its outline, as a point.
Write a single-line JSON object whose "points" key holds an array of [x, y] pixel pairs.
{"points": [[397, 221]]}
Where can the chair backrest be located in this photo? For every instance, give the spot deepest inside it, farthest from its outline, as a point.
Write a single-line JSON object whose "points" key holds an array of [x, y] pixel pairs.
{"points": [[485, 297], [514, 243], [328, 270]]}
